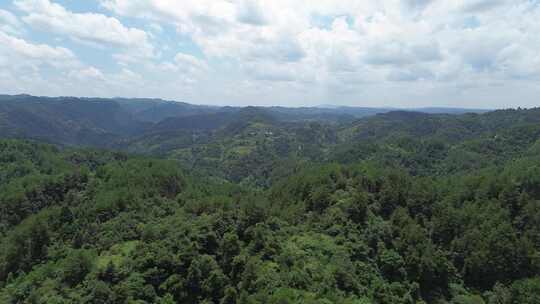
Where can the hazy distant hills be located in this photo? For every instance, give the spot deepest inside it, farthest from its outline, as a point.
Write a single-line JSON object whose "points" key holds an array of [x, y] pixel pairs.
{"points": [[156, 110], [105, 122], [197, 204], [253, 144], [70, 121]]}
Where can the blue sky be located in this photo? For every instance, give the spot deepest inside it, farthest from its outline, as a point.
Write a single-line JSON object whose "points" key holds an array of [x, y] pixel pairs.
{"points": [[408, 53]]}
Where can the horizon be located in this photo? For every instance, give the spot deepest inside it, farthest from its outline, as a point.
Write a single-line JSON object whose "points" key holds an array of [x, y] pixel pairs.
{"points": [[476, 54], [320, 106]]}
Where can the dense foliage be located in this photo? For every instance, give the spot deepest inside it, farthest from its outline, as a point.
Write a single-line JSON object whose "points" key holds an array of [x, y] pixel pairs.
{"points": [[396, 208]]}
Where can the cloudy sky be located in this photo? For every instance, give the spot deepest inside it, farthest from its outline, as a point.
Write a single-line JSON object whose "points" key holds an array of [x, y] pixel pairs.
{"points": [[408, 53]]}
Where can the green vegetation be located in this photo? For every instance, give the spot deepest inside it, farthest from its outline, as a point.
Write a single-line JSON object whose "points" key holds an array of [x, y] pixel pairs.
{"points": [[395, 208]]}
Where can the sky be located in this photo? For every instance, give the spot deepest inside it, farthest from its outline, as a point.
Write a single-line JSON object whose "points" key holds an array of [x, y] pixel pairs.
{"points": [[408, 53]]}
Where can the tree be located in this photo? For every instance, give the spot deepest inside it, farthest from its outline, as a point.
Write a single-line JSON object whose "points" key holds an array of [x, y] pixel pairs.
{"points": [[76, 266]]}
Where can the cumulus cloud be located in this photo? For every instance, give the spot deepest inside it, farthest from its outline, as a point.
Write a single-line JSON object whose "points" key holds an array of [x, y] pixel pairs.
{"points": [[347, 50], [266, 33], [269, 72], [17, 51], [411, 74], [400, 53], [475, 6], [32, 67], [190, 63], [87, 74], [251, 13], [9, 23], [86, 27], [416, 4]]}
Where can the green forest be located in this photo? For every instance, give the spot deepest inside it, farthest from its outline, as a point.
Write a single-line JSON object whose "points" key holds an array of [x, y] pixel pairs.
{"points": [[269, 206]]}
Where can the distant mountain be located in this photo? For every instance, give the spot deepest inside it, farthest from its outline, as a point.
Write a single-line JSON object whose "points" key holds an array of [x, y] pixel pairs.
{"points": [[156, 110], [253, 143], [66, 120], [110, 122], [447, 110], [372, 111]]}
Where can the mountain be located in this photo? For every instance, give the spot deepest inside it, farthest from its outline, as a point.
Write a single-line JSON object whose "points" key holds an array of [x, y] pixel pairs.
{"points": [[66, 120], [156, 110], [255, 144], [448, 110], [121, 116], [366, 111], [151, 201]]}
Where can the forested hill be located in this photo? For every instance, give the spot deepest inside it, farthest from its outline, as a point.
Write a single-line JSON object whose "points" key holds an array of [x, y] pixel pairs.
{"points": [[256, 145], [266, 205], [104, 122], [257, 149], [85, 226]]}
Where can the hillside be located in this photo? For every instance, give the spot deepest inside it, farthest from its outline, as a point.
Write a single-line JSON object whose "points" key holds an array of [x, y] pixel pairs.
{"points": [[68, 121], [255, 145], [102, 122], [265, 205], [441, 143], [86, 226], [423, 144]]}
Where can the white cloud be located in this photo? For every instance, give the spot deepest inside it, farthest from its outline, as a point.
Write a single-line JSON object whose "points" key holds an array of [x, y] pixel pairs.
{"points": [[156, 28], [518, 62], [411, 74], [43, 69], [475, 6], [416, 4], [354, 46], [252, 13], [33, 68], [190, 62], [16, 51], [85, 27], [395, 52], [9, 23], [269, 72], [87, 74], [343, 51]]}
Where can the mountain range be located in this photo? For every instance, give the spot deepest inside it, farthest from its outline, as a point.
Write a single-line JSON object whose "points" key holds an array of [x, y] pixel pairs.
{"points": [[152, 201], [104, 122]]}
